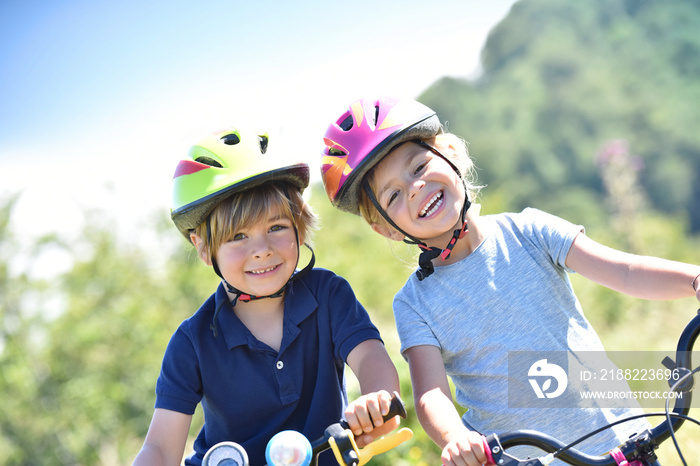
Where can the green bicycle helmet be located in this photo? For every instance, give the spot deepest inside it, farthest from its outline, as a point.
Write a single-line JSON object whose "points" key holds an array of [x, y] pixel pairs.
{"points": [[222, 164]]}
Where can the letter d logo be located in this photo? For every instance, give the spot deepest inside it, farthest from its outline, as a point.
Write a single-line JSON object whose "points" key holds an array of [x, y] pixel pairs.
{"points": [[543, 369]]}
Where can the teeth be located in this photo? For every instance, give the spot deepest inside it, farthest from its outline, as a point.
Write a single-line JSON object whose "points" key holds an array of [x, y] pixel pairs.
{"points": [[258, 272], [431, 206]]}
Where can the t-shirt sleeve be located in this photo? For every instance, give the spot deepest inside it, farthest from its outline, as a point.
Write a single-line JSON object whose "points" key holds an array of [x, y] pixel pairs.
{"points": [[351, 324], [179, 386], [412, 328], [552, 234]]}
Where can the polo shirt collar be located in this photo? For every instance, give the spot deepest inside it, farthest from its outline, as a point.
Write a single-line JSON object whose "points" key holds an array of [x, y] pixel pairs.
{"points": [[299, 303]]}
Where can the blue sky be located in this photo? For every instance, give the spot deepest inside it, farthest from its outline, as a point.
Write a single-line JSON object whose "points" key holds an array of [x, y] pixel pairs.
{"points": [[100, 98]]}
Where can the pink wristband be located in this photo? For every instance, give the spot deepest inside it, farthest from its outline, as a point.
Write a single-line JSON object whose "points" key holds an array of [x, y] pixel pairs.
{"points": [[487, 449]]}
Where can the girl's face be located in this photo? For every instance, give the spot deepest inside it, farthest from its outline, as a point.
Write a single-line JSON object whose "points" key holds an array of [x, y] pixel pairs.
{"points": [[260, 258], [420, 192]]}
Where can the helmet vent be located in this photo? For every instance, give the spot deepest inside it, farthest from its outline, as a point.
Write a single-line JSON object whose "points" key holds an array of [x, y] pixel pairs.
{"points": [[376, 114], [209, 161], [263, 143], [346, 124], [231, 139]]}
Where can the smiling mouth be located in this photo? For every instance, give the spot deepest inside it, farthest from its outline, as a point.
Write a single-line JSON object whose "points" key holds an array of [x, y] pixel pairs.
{"points": [[432, 206], [262, 271]]}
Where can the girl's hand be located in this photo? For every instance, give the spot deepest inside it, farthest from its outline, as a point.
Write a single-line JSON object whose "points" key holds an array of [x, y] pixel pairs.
{"points": [[465, 450], [364, 416]]}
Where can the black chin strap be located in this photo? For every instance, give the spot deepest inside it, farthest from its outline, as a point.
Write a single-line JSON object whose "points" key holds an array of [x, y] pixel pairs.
{"points": [[425, 260]]}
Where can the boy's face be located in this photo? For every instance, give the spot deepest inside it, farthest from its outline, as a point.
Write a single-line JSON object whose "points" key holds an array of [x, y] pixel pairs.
{"points": [[420, 192], [260, 258]]}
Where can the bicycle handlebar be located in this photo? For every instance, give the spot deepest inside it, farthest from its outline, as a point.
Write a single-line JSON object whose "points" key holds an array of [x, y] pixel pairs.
{"points": [[396, 408], [338, 437], [634, 448]]}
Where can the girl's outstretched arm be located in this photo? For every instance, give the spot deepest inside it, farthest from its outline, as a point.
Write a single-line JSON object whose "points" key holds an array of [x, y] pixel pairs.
{"points": [[378, 378], [643, 277]]}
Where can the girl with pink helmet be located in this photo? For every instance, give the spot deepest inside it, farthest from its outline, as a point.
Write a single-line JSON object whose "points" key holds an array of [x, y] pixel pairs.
{"points": [[486, 285]]}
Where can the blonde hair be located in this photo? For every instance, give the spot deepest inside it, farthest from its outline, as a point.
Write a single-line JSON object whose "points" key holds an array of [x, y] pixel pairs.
{"points": [[459, 157], [249, 207]]}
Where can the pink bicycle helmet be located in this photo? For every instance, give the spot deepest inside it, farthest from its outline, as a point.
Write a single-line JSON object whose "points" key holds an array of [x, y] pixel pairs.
{"points": [[362, 136]]}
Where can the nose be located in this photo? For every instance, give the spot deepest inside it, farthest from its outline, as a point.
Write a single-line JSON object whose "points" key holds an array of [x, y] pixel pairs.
{"points": [[261, 247], [414, 188]]}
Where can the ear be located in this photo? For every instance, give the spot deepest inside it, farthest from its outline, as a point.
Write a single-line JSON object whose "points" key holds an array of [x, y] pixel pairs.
{"points": [[301, 238], [387, 231], [454, 154], [444, 145], [199, 246]]}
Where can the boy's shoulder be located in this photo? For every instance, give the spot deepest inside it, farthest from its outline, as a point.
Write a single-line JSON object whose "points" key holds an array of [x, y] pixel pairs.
{"points": [[319, 277], [319, 273], [206, 309]]}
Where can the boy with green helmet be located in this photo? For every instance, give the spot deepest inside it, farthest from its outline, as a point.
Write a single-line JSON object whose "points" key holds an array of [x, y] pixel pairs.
{"points": [[266, 352]]}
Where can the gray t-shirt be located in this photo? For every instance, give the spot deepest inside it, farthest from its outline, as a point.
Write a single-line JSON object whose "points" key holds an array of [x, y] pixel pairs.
{"points": [[512, 293]]}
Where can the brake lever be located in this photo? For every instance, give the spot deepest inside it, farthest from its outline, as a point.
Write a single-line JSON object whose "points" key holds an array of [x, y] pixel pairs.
{"points": [[497, 455]]}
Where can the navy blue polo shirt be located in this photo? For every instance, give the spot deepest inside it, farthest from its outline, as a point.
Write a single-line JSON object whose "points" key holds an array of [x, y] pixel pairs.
{"points": [[249, 391]]}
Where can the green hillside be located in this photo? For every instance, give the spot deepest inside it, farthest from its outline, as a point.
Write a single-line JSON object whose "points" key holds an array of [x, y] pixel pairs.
{"points": [[561, 81]]}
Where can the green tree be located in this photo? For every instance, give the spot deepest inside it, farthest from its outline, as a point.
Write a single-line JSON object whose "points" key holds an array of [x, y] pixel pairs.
{"points": [[560, 79], [79, 382]]}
